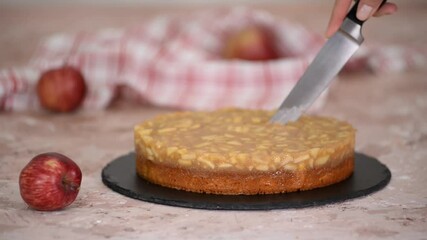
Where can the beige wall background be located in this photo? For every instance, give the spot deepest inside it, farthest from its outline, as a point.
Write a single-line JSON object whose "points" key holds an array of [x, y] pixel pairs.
{"points": [[168, 2], [150, 2]]}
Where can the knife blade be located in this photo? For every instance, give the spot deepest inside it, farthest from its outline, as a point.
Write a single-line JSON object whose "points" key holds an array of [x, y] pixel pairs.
{"points": [[322, 70]]}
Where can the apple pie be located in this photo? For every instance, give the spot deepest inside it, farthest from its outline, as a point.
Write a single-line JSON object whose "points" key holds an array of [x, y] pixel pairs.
{"points": [[238, 151]]}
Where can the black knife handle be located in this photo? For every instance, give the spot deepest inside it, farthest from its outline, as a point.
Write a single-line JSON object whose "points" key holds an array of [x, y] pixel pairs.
{"points": [[352, 13]]}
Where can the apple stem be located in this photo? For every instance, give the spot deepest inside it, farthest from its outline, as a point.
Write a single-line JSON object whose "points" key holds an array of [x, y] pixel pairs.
{"points": [[69, 185]]}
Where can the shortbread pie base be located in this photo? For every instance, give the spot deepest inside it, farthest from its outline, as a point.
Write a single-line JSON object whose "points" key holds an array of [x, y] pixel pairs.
{"points": [[249, 183], [236, 151]]}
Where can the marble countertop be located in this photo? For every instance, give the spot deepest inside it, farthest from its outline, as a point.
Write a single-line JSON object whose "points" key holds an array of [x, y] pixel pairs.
{"points": [[389, 111]]}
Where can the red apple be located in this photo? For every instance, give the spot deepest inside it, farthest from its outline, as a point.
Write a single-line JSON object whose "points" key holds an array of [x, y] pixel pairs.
{"points": [[251, 43], [50, 181], [62, 89]]}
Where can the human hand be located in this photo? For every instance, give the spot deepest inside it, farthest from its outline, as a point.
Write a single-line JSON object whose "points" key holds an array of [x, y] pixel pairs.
{"points": [[366, 9]]}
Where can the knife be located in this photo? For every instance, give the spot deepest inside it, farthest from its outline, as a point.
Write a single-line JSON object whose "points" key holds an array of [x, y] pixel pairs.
{"points": [[325, 66]]}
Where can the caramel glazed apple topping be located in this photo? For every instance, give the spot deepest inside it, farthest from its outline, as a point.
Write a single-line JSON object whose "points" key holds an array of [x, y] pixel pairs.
{"points": [[235, 139]]}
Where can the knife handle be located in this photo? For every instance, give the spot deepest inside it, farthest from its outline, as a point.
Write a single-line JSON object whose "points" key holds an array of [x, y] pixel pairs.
{"points": [[352, 13]]}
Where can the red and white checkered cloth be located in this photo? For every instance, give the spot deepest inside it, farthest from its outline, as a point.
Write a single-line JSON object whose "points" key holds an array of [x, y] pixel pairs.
{"points": [[176, 62]]}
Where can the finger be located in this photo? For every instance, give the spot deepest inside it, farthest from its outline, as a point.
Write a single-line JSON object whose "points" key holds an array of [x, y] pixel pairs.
{"points": [[338, 14], [367, 8], [387, 9]]}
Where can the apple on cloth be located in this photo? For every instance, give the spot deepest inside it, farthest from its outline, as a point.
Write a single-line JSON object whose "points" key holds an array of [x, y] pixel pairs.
{"points": [[50, 181], [254, 43], [62, 89], [178, 62]]}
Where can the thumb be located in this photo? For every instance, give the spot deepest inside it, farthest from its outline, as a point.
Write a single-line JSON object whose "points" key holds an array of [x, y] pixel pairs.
{"points": [[367, 8]]}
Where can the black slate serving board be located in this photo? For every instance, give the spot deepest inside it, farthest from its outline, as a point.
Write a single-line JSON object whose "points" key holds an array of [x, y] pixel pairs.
{"points": [[369, 176]]}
